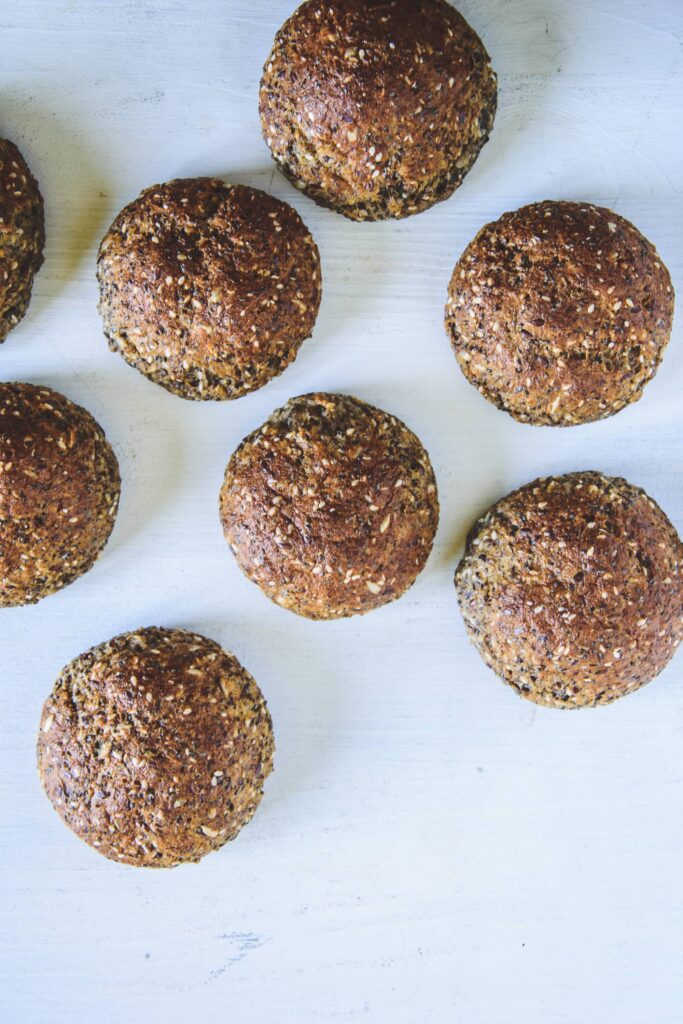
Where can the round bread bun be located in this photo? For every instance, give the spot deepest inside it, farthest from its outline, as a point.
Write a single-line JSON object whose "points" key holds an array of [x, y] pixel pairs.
{"points": [[559, 313], [208, 289], [22, 235], [153, 748], [59, 492], [571, 588], [377, 109], [330, 507]]}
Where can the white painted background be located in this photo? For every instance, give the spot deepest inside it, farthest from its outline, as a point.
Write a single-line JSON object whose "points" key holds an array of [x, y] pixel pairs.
{"points": [[430, 849]]}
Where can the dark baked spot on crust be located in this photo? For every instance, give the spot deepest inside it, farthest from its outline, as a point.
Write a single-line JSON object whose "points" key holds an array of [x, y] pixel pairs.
{"points": [[377, 109], [559, 313], [571, 588], [22, 235], [59, 492], [330, 507], [154, 747], [208, 289]]}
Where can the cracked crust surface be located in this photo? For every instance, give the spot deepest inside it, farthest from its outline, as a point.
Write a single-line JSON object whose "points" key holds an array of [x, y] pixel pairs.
{"points": [[154, 747], [377, 108], [22, 235], [208, 289], [559, 313], [59, 492], [571, 588], [330, 507]]}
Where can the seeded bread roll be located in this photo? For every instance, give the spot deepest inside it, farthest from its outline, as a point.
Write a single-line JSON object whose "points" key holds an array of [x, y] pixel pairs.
{"points": [[377, 109], [208, 289], [154, 747], [571, 588], [59, 492], [559, 313], [330, 507], [22, 235]]}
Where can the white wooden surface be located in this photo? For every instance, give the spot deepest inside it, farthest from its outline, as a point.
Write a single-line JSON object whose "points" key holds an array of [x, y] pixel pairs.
{"points": [[430, 849]]}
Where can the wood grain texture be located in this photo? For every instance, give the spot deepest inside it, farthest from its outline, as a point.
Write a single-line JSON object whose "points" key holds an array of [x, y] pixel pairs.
{"points": [[430, 848]]}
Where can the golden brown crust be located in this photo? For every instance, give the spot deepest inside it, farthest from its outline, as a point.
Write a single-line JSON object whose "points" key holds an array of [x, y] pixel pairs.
{"points": [[208, 289], [559, 313], [330, 507], [22, 235], [572, 589], [377, 109], [153, 747], [59, 492]]}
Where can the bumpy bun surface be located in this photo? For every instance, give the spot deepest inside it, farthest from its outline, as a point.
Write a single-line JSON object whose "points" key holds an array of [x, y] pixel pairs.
{"points": [[153, 747], [572, 589], [559, 313], [377, 109], [208, 289], [330, 507], [22, 235], [59, 492]]}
